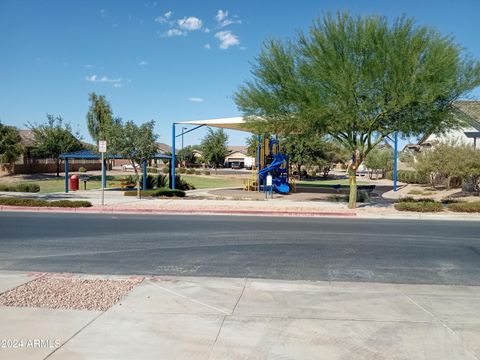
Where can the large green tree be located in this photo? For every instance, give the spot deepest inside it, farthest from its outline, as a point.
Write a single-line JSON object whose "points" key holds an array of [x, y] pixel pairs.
{"points": [[214, 147], [134, 142], [99, 117], [359, 79], [53, 138], [10, 144]]}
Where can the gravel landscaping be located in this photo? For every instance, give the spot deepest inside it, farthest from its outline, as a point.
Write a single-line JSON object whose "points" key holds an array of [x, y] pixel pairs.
{"points": [[68, 293]]}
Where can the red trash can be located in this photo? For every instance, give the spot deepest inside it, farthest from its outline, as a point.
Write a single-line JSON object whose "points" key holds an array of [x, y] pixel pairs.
{"points": [[74, 182]]}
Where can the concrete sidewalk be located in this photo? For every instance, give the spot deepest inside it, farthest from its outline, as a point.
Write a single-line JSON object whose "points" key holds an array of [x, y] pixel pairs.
{"points": [[116, 202], [222, 318]]}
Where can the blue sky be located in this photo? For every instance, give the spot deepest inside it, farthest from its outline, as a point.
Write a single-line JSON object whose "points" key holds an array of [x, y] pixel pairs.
{"points": [[165, 60]]}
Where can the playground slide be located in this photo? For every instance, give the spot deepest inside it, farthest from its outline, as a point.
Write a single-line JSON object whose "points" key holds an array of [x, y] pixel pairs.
{"points": [[277, 183]]}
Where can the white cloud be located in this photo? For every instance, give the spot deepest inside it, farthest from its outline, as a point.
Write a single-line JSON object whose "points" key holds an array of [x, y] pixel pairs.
{"points": [[103, 13], [117, 85], [104, 79], [173, 32], [221, 15], [227, 39], [191, 23], [142, 63], [164, 18], [196, 99], [89, 66], [223, 19], [207, 46]]}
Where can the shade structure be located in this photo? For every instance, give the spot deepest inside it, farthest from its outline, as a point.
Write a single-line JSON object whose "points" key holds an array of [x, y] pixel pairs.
{"points": [[231, 123]]}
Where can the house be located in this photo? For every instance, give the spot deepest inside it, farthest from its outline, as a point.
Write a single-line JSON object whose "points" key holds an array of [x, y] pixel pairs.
{"points": [[466, 135], [238, 158], [28, 163]]}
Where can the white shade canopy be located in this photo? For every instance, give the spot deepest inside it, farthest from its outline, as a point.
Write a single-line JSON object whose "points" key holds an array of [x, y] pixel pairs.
{"points": [[232, 123]]}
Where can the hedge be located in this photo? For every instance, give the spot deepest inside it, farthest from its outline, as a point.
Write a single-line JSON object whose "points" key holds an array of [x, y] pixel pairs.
{"points": [[44, 203], [469, 207], [157, 193], [32, 188], [420, 205], [409, 177]]}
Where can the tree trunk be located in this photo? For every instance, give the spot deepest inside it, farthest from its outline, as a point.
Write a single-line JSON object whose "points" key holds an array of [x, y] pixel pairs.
{"points": [[352, 180], [353, 165], [57, 163], [137, 178]]}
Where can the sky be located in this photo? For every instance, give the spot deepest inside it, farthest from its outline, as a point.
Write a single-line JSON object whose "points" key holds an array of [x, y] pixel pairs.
{"points": [[164, 60]]}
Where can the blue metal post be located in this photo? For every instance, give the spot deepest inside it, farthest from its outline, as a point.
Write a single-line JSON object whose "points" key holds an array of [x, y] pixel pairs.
{"points": [[144, 163], [173, 156], [395, 161], [258, 160], [66, 175], [104, 173]]}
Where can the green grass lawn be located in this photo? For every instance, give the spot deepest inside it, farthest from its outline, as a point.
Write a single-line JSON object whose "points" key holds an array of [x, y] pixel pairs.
{"points": [[208, 182], [58, 185]]}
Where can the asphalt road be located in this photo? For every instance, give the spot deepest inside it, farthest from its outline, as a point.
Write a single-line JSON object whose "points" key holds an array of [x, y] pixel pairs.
{"points": [[394, 251]]}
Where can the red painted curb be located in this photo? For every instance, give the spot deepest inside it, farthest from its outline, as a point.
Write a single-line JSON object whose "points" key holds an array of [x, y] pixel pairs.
{"points": [[111, 210]]}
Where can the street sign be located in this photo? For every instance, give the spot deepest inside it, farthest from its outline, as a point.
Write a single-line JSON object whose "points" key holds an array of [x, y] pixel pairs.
{"points": [[102, 146]]}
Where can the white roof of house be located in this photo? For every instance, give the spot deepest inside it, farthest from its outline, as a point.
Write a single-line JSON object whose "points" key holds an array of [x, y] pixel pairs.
{"points": [[232, 123]]}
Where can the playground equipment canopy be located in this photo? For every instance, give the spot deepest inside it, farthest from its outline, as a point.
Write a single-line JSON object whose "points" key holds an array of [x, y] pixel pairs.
{"points": [[231, 123]]}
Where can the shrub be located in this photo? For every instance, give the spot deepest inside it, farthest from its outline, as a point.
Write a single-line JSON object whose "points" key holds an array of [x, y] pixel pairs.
{"points": [[82, 169], [157, 193], [32, 188], [206, 172], [469, 207], [44, 203], [182, 184], [182, 170], [165, 170], [422, 205], [151, 181], [162, 181], [198, 172], [190, 171], [409, 177]]}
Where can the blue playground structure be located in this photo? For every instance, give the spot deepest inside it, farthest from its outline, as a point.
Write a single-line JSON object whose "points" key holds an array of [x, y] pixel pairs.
{"points": [[271, 161]]}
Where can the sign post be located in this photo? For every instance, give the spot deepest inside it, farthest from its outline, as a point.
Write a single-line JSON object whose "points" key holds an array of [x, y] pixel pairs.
{"points": [[102, 148]]}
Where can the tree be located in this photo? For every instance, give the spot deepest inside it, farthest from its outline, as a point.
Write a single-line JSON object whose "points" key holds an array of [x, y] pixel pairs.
{"points": [[187, 155], [99, 117], [302, 151], [252, 145], [53, 138], [450, 162], [214, 147], [379, 159], [133, 142], [10, 144], [359, 79]]}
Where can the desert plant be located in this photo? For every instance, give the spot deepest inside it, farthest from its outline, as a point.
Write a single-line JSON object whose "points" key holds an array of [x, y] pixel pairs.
{"points": [[206, 172], [182, 184], [469, 207], [190, 171], [162, 181], [44, 203], [420, 205], [82, 169]]}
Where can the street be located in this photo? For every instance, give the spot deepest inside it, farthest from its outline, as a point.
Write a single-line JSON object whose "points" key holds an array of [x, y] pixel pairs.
{"points": [[387, 251]]}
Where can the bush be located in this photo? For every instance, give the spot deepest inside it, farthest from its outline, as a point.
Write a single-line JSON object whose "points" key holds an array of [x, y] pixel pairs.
{"points": [[151, 181], [44, 203], [198, 172], [82, 169], [157, 193], [409, 177], [206, 172], [165, 170], [181, 170], [421, 205], [31, 188], [469, 207], [182, 184], [190, 171], [162, 181]]}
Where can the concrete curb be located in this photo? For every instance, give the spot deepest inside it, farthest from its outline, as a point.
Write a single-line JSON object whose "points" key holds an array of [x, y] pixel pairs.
{"points": [[114, 210]]}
